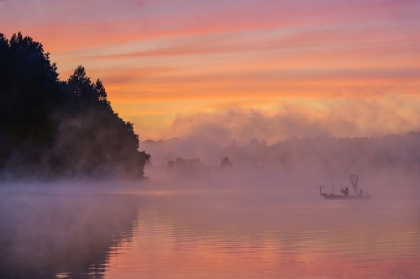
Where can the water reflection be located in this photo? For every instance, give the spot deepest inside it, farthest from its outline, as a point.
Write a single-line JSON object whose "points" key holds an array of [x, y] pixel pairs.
{"points": [[262, 235], [206, 235], [63, 236]]}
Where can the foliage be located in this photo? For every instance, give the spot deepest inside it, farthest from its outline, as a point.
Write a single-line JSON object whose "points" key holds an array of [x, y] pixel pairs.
{"points": [[51, 128], [226, 164], [330, 154]]}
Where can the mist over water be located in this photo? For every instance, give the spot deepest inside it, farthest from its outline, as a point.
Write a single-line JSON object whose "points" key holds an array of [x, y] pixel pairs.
{"points": [[211, 224], [48, 235], [257, 215], [262, 235]]}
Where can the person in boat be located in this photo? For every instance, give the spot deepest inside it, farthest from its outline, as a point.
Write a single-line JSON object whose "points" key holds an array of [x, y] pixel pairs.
{"points": [[345, 191]]}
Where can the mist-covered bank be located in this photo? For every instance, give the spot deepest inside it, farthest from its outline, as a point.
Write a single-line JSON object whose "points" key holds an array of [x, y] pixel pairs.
{"points": [[59, 129], [329, 154], [387, 166]]}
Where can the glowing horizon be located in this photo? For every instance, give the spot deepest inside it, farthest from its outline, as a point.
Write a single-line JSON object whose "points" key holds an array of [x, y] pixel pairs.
{"points": [[169, 67]]}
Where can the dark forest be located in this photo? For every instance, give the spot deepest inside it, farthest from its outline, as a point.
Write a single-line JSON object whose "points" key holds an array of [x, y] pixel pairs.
{"points": [[52, 128]]}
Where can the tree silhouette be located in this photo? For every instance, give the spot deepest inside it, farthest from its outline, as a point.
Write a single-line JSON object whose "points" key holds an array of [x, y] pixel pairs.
{"points": [[53, 128], [226, 164], [88, 92]]}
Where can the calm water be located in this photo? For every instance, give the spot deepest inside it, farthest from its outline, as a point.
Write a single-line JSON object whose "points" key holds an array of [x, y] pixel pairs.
{"points": [[207, 235]]}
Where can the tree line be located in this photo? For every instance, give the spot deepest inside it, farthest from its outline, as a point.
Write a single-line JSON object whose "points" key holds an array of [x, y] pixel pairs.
{"points": [[321, 154], [52, 128]]}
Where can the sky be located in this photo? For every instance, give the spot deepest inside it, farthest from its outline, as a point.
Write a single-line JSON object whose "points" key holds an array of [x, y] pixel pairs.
{"points": [[267, 69]]}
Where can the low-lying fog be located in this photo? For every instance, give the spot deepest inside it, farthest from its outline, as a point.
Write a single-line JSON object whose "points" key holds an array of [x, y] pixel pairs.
{"points": [[261, 202], [387, 167]]}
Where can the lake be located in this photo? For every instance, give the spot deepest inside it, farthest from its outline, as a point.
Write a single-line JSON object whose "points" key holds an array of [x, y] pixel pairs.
{"points": [[206, 234]]}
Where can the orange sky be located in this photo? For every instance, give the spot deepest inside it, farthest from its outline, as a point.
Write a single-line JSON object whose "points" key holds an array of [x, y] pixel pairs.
{"points": [[163, 62]]}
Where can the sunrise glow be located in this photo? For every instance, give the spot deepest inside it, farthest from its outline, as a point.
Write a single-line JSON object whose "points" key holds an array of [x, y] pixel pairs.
{"points": [[164, 62]]}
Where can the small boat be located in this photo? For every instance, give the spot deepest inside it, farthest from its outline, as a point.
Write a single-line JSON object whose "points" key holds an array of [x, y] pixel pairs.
{"points": [[357, 195], [332, 196]]}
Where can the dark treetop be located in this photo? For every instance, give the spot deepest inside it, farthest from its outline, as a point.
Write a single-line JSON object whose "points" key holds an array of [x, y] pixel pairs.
{"points": [[58, 129]]}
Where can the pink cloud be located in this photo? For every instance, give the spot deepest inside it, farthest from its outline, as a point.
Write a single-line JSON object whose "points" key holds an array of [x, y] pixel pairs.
{"points": [[224, 52]]}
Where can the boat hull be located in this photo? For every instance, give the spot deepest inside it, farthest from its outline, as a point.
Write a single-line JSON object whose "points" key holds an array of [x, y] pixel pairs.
{"points": [[343, 197]]}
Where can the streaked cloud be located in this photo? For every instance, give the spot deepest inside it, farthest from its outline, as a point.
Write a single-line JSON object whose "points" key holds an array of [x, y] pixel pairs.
{"points": [[162, 58]]}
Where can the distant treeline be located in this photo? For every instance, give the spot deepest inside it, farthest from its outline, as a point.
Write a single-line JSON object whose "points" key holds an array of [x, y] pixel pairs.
{"points": [[392, 152], [51, 128], [195, 165]]}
